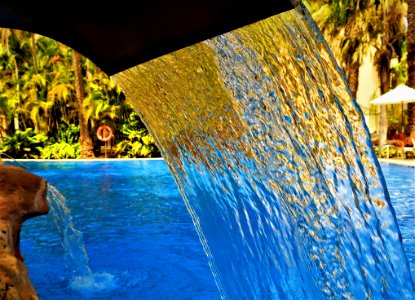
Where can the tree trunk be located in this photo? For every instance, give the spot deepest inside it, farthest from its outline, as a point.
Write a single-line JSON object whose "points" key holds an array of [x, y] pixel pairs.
{"points": [[353, 77], [34, 52], [5, 32], [16, 122], [87, 147], [384, 70], [16, 114], [411, 62], [4, 126]]}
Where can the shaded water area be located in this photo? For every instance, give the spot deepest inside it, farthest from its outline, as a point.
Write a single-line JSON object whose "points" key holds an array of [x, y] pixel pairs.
{"points": [[273, 159]]}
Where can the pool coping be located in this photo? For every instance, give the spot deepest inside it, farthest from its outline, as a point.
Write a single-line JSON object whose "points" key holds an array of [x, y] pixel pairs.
{"points": [[78, 159], [401, 162], [395, 161]]}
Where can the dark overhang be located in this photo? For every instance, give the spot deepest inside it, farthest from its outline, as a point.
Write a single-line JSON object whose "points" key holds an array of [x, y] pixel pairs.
{"points": [[118, 35]]}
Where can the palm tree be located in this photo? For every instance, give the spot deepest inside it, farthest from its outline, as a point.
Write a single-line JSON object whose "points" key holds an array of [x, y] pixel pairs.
{"points": [[10, 87], [352, 28], [344, 26], [34, 52], [54, 62], [411, 61], [383, 63], [87, 147], [390, 29], [43, 87]]}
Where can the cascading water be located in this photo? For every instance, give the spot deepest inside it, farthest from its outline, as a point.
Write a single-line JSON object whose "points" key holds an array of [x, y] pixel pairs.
{"points": [[75, 252], [274, 162], [84, 281]]}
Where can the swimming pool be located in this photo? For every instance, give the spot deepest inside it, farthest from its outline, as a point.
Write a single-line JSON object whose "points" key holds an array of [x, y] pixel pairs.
{"points": [[135, 227], [137, 232]]}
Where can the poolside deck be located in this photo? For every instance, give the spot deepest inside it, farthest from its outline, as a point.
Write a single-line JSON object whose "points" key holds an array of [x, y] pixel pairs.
{"points": [[398, 161]]}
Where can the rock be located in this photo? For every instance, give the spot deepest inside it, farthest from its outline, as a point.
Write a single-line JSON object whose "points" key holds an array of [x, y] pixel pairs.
{"points": [[22, 196]]}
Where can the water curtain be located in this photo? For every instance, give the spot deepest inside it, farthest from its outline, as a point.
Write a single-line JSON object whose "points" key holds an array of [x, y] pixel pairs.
{"points": [[75, 252], [273, 158]]}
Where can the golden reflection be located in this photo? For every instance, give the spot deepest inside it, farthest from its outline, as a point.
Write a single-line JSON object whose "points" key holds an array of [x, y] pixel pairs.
{"points": [[184, 104]]}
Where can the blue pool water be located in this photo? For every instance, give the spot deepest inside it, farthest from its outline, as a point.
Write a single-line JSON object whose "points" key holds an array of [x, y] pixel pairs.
{"points": [[138, 235], [401, 185], [136, 230]]}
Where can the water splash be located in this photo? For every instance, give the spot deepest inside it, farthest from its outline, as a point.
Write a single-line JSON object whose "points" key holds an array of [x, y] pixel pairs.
{"points": [[76, 256], [274, 161]]}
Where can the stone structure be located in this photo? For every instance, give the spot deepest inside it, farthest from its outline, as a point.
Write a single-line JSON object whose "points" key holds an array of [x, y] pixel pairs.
{"points": [[22, 196]]}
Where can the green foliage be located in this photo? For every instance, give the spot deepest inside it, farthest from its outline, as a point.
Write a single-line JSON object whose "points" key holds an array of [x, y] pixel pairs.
{"points": [[67, 145], [399, 72], [69, 134], [138, 142], [389, 152], [37, 90], [23, 144], [61, 150]]}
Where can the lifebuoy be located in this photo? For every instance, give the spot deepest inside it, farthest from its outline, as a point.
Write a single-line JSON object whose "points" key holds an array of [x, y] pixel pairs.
{"points": [[104, 133]]}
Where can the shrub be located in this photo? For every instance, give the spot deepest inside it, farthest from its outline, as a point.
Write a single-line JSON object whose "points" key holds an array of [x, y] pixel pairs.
{"points": [[61, 150], [23, 144], [138, 142]]}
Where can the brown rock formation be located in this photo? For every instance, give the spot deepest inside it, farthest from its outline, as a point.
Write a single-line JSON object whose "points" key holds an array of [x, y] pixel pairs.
{"points": [[22, 196]]}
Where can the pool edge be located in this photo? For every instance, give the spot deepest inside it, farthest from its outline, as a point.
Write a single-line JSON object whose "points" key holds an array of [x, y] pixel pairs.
{"points": [[400, 162]]}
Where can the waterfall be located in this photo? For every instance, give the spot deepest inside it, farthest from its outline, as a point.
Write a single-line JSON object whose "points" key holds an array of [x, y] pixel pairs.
{"points": [[73, 245], [273, 159]]}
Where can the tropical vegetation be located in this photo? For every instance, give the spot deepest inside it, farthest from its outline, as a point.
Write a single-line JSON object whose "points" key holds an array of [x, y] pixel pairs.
{"points": [[356, 28], [411, 61], [52, 101]]}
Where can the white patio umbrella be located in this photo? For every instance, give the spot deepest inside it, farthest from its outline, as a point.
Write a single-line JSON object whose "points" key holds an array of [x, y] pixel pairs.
{"points": [[401, 94]]}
